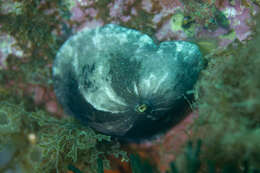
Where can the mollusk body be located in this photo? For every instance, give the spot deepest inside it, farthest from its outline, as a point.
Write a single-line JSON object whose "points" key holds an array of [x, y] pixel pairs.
{"points": [[120, 83]]}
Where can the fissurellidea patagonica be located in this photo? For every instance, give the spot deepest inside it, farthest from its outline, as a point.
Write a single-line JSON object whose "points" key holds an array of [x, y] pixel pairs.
{"points": [[120, 83]]}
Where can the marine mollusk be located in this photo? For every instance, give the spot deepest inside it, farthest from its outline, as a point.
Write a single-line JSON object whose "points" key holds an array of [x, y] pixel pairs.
{"points": [[119, 82]]}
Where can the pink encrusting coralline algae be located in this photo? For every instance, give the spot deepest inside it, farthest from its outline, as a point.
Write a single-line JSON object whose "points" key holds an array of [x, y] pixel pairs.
{"points": [[162, 12]]}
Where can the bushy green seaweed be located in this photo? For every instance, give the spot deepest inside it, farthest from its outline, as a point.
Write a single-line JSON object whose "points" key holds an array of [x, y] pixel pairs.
{"points": [[229, 106], [58, 144], [66, 141]]}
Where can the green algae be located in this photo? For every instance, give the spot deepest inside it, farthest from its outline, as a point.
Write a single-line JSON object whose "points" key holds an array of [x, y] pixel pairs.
{"points": [[228, 105]]}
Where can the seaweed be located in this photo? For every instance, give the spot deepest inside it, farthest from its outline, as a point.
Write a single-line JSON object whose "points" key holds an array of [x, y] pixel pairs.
{"points": [[57, 143], [228, 105]]}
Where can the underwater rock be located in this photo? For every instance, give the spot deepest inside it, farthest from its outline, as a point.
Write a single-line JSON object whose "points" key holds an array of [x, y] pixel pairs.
{"points": [[119, 82]]}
